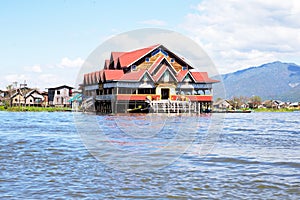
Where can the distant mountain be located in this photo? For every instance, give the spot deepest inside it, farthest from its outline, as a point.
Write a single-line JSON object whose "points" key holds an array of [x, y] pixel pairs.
{"points": [[277, 80]]}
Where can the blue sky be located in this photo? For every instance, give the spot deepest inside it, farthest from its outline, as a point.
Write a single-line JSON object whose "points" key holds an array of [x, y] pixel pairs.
{"points": [[46, 42]]}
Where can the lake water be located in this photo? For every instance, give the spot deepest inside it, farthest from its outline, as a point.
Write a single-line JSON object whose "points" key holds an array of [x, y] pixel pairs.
{"points": [[233, 156]]}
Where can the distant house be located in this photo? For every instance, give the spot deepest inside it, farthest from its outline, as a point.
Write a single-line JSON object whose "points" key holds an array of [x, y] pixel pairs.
{"points": [[59, 96], [34, 98], [222, 104], [294, 105], [271, 104], [18, 97]]}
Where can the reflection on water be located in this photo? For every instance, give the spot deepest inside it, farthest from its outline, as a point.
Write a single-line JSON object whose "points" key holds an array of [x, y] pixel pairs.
{"points": [[256, 157]]}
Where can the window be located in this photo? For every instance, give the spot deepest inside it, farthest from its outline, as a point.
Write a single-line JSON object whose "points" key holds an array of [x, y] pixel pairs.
{"points": [[184, 68], [30, 101], [58, 92], [172, 60], [133, 67], [147, 59]]}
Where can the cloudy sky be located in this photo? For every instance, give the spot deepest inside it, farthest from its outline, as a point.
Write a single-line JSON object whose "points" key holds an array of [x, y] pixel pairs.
{"points": [[46, 42]]}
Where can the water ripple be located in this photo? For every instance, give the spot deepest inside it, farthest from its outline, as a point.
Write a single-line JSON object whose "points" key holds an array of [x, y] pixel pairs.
{"points": [[256, 157]]}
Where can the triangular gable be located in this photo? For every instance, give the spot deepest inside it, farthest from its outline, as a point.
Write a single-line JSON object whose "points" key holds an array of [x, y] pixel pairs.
{"points": [[163, 62], [147, 77], [162, 72], [31, 92], [179, 58], [167, 76], [187, 77]]}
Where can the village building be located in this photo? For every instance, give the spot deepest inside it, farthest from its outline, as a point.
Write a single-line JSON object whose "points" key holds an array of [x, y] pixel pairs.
{"points": [[34, 98], [222, 104], [59, 96], [295, 105], [152, 77], [18, 96]]}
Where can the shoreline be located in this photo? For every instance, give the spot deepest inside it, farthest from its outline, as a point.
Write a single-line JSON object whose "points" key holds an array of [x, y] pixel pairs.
{"points": [[35, 109], [67, 109]]}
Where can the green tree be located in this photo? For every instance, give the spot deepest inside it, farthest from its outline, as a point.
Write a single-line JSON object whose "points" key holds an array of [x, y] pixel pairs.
{"points": [[254, 102]]}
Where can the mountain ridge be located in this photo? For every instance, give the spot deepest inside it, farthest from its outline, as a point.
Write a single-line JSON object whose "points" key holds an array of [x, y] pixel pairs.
{"points": [[276, 80]]}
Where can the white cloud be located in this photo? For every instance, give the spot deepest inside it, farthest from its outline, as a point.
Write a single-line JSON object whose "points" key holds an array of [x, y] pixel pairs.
{"points": [[238, 34], [34, 68], [19, 78], [153, 22], [68, 63]]}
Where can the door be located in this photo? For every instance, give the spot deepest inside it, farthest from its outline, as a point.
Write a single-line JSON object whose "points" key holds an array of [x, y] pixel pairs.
{"points": [[165, 93]]}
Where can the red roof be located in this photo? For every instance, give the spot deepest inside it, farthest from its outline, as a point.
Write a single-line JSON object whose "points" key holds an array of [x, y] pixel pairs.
{"points": [[202, 77], [181, 74], [127, 58], [134, 75], [111, 75], [116, 55]]}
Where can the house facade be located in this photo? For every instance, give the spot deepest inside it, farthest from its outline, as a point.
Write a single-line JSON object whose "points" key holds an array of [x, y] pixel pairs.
{"points": [[146, 76], [59, 96], [34, 98], [18, 96]]}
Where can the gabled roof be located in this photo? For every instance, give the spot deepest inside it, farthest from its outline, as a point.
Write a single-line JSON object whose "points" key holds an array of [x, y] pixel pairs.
{"points": [[112, 75], [35, 94], [154, 68], [202, 77], [31, 92], [128, 58], [184, 73]]}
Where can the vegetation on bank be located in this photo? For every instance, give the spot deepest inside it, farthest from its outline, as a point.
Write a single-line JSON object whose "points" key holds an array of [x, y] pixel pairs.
{"points": [[276, 110], [34, 109]]}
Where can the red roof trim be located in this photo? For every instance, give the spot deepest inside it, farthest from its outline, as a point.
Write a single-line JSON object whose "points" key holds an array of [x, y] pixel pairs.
{"points": [[156, 63]]}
